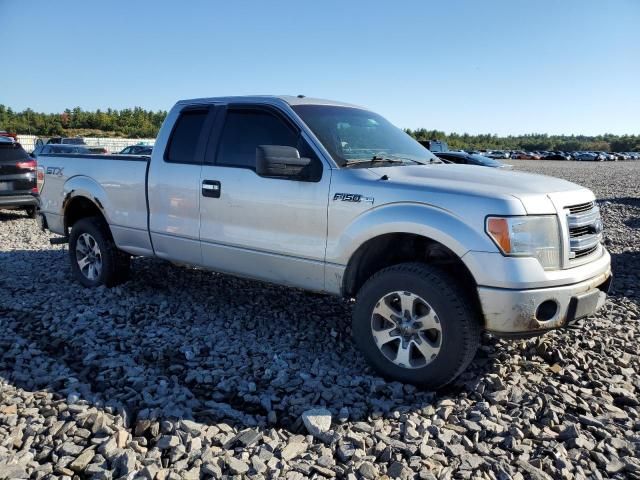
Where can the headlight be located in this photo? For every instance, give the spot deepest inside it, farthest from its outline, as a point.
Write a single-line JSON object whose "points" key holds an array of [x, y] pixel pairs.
{"points": [[528, 236]]}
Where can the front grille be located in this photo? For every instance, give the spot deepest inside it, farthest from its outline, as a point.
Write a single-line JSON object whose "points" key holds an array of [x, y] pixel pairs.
{"points": [[582, 207], [587, 252], [585, 230], [580, 231]]}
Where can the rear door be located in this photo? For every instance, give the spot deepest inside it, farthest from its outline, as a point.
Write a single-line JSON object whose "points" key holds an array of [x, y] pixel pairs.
{"points": [[17, 170], [174, 187], [272, 229]]}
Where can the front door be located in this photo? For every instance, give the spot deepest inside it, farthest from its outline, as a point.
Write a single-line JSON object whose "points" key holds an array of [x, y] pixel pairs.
{"points": [[271, 229]]}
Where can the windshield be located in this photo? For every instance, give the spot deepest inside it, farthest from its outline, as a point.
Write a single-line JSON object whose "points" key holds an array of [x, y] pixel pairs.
{"points": [[353, 136]]}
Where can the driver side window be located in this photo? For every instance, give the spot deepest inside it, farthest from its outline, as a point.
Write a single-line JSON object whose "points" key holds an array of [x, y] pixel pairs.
{"points": [[245, 129]]}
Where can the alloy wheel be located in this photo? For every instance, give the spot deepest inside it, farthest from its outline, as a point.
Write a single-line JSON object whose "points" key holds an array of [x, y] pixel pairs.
{"points": [[406, 329]]}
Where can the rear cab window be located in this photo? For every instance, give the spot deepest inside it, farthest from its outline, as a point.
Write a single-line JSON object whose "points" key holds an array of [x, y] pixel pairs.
{"points": [[183, 143]]}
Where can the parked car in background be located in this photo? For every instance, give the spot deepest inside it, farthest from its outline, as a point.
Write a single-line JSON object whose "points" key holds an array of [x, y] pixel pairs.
{"points": [[18, 187], [525, 156], [587, 157], [557, 156], [136, 150], [98, 150], [66, 141], [6, 134], [145, 151], [471, 159], [497, 154], [435, 145], [60, 141], [59, 148], [606, 156]]}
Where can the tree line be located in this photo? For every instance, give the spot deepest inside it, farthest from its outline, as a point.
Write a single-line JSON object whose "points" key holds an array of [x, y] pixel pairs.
{"points": [[129, 122], [140, 123], [607, 142]]}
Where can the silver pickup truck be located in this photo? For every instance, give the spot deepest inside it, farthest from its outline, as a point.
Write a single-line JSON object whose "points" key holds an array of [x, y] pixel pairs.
{"points": [[332, 198]]}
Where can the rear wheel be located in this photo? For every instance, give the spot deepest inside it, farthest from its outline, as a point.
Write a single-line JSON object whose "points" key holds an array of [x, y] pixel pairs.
{"points": [[95, 259], [414, 324]]}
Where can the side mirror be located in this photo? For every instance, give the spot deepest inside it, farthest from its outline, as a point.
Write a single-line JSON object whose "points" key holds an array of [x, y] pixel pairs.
{"points": [[279, 161]]}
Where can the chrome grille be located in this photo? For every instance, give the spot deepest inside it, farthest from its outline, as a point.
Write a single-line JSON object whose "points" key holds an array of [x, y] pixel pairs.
{"points": [[579, 231], [587, 252], [582, 207], [585, 230]]}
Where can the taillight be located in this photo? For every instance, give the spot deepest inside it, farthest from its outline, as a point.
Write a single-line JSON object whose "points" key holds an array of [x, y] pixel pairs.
{"points": [[40, 178], [28, 165]]}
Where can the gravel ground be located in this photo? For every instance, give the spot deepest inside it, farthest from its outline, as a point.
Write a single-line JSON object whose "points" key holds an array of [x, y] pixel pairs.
{"points": [[181, 373]]}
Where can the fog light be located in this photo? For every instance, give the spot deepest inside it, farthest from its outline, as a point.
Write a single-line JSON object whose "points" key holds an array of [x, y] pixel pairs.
{"points": [[546, 310]]}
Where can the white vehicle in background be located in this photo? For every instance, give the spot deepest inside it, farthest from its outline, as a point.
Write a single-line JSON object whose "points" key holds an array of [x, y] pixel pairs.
{"points": [[498, 155]]}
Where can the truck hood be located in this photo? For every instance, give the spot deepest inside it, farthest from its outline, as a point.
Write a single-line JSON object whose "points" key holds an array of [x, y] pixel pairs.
{"points": [[538, 193]]}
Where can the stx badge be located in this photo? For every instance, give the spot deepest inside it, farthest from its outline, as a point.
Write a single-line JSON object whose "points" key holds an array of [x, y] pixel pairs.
{"points": [[55, 171]]}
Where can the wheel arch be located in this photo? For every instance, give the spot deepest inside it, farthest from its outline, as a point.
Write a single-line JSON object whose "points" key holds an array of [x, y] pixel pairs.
{"points": [[405, 232], [394, 248], [83, 198]]}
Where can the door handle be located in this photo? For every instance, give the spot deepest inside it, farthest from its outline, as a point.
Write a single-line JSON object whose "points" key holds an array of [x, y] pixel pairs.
{"points": [[211, 188]]}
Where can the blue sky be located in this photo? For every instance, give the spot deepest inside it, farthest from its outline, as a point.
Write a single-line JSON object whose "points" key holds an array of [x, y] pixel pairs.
{"points": [[492, 66]]}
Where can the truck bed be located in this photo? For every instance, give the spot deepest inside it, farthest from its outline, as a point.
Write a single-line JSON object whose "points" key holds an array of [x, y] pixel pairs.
{"points": [[116, 182]]}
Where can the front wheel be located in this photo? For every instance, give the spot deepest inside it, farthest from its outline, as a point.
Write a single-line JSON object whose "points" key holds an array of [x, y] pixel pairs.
{"points": [[95, 259], [415, 325]]}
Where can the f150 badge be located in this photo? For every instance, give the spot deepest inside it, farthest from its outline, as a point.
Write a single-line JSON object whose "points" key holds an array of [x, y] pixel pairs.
{"points": [[352, 197]]}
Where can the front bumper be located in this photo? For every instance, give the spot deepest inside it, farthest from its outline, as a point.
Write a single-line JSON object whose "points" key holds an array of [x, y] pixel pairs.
{"points": [[18, 201], [518, 312]]}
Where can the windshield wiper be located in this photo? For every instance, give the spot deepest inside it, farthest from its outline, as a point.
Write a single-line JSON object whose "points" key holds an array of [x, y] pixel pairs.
{"points": [[377, 159]]}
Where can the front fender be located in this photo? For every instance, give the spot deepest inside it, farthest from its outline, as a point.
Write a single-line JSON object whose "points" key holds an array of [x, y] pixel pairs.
{"points": [[420, 219], [86, 187]]}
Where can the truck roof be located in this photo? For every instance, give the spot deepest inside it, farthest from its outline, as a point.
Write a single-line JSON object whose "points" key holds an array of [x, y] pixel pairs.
{"points": [[274, 99]]}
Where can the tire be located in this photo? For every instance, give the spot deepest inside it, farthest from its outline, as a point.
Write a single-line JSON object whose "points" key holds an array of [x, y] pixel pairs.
{"points": [[110, 265], [31, 212], [436, 301]]}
